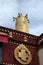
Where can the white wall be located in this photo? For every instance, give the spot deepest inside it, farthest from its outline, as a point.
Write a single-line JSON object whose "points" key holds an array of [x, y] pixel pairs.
{"points": [[41, 56]]}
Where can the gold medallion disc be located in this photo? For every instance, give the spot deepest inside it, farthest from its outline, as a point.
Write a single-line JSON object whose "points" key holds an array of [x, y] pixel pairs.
{"points": [[22, 54]]}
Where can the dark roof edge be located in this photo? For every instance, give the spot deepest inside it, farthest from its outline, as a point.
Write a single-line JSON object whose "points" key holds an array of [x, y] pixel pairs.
{"points": [[40, 36]]}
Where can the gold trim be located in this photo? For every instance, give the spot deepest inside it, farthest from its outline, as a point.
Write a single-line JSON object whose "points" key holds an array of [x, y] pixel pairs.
{"points": [[3, 33], [10, 34], [25, 39]]}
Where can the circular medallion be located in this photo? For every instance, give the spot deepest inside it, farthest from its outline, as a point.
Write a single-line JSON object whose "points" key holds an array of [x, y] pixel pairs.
{"points": [[22, 54]]}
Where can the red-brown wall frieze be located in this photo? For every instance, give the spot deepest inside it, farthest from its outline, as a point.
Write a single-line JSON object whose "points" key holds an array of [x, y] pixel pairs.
{"points": [[21, 36], [13, 39]]}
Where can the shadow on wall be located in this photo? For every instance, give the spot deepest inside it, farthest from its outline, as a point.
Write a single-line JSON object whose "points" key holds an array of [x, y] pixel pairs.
{"points": [[0, 52]]}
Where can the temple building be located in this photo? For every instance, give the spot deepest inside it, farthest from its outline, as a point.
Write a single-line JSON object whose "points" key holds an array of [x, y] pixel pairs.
{"points": [[19, 47]]}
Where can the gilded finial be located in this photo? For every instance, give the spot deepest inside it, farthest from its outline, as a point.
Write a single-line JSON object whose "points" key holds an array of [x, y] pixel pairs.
{"points": [[21, 22]]}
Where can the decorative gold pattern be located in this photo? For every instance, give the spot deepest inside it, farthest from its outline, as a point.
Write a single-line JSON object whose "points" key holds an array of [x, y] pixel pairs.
{"points": [[22, 54]]}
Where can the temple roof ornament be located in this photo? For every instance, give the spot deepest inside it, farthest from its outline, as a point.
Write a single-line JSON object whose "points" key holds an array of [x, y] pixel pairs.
{"points": [[21, 22]]}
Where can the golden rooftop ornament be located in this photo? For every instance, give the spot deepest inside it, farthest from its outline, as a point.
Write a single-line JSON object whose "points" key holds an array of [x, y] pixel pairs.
{"points": [[21, 23]]}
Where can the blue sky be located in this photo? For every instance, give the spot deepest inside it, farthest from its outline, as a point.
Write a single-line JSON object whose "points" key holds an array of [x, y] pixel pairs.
{"points": [[34, 9]]}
